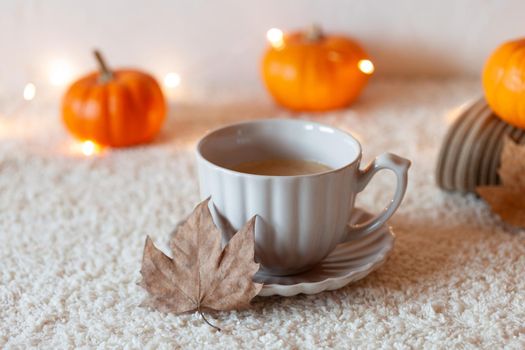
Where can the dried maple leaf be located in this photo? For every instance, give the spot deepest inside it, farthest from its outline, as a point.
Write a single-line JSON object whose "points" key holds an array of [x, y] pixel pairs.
{"points": [[200, 275], [508, 200]]}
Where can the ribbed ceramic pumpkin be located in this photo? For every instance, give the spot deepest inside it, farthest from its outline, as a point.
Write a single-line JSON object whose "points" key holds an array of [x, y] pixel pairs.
{"points": [[311, 71], [504, 82], [114, 108]]}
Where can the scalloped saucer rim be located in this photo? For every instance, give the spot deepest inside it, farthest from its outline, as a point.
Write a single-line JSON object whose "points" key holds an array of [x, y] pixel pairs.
{"points": [[379, 244]]}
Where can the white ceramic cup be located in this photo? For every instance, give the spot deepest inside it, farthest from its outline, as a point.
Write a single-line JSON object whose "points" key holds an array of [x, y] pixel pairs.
{"points": [[301, 219]]}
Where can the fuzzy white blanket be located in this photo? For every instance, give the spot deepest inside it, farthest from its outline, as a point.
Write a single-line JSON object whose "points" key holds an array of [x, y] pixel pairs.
{"points": [[72, 231]]}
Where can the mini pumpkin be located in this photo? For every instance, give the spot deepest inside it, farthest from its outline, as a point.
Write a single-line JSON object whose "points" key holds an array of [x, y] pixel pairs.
{"points": [[311, 71], [116, 108], [504, 82]]}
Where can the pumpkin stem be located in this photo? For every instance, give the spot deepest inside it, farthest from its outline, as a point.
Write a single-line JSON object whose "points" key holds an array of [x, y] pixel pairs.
{"points": [[314, 33], [105, 73]]}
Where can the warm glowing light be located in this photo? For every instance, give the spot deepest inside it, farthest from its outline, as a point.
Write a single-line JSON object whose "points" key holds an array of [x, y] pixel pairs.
{"points": [[60, 73], [90, 148], [29, 91], [172, 80], [366, 66], [275, 37]]}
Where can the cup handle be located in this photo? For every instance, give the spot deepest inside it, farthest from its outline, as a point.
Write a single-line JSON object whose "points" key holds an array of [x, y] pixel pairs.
{"points": [[400, 167]]}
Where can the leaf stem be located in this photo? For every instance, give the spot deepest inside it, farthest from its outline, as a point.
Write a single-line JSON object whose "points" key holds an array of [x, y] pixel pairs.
{"points": [[205, 320]]}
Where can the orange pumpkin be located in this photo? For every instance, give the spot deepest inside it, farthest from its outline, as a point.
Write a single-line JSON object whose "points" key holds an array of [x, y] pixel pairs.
{"points": [[504, 82], [310, 71], [114, 108]]}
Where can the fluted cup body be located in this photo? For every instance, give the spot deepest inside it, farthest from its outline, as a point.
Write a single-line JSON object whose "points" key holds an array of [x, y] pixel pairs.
{"points": [[300, 219]]}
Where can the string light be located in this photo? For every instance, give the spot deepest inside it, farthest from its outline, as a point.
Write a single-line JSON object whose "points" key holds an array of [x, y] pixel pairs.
{"points": [[90, 148], [29, 91], [60, 73], [366, 66], [275, 37], [172, 80]]}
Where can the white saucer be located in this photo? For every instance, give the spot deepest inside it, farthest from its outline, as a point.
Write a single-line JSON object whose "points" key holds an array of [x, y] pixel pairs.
{"points": [[349, 262]]}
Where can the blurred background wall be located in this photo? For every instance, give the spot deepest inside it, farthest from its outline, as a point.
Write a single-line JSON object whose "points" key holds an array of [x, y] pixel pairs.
{"points": [[218, 44]]}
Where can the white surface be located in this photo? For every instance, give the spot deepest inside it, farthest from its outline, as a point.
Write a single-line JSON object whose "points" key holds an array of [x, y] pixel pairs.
{"points": [[350, 261], [218, 44], [72, 232]]}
